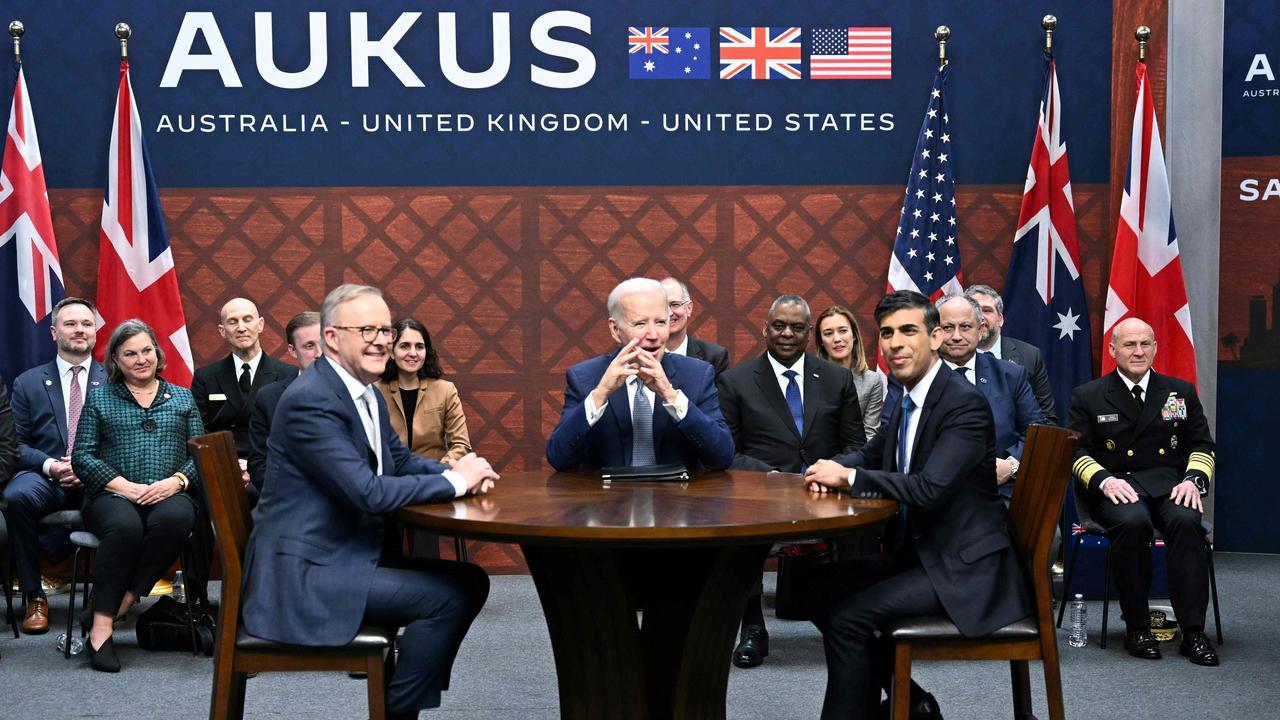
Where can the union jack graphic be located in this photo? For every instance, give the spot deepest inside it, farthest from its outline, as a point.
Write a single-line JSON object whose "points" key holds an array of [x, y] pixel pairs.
{"points": [[136, 275], [29, 265], [648, 40], [760, 53]]}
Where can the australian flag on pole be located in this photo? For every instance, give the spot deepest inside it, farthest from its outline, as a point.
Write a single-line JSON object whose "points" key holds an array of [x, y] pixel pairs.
{"points": [[1043, 292], [30, 271]]}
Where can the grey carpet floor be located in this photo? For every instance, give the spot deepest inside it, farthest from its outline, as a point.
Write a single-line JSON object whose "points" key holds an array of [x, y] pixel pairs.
{"points": [[505, 670]]}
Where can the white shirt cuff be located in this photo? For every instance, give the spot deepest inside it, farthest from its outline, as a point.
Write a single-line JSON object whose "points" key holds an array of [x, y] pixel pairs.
{"points": [[458, 482], [679, 408], [1104, 482], [46, 468], [593, 413], [853, 475]]}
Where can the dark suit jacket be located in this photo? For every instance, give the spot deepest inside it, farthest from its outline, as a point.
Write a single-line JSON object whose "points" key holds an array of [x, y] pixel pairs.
{"points": [[958, 523], [231, 412], [701, 440], [764, 434], [264, 408], [317, 528], [8, 439], [40, 415], [1028, 356], [1155, 447], [709, 352]]}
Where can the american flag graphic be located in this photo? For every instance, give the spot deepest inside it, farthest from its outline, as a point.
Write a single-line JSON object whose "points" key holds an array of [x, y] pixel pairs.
{"points": [[760, 53], [1146, 268], [856, 53], [926, 256], [30, 271], [136, 275]]}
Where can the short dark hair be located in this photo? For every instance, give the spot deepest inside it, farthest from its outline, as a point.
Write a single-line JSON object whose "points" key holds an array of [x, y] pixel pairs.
{"points": [[72, 301], [301, 320], [430, 364], [907, 300]]}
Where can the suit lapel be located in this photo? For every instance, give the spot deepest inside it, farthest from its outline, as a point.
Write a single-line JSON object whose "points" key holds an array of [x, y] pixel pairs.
{"points": [[229, 382], [348, 405], [936, 391], [53, 386], [660, 415], [620, 407], [1157, 393], [812, 391], [1120, 399], [767, 381]]}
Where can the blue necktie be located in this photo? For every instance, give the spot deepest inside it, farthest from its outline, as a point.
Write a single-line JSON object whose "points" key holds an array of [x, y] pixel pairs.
{"points": [[904, 424], [793, 400], [642, 429]]}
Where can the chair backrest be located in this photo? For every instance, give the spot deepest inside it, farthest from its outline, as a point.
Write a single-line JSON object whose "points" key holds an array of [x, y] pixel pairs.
{"points": [[1037, 498], [224, 495]]}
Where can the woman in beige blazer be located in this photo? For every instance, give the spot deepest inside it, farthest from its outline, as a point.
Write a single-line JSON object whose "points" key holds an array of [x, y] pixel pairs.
{"points": [[425, 409]]}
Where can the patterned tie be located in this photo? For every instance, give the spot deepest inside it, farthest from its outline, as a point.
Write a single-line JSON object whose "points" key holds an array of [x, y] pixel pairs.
{"points": [[74, 407], [245, 380], [793, 400], [370, 421], [642, 429]]}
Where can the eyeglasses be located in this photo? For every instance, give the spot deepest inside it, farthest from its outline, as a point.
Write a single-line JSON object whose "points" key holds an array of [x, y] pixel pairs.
{"points": [[677, 304], [369, 333]]}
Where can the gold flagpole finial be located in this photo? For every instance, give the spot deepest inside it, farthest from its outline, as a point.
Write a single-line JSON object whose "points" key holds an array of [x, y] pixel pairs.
{"points": [[1049, 23], [123, 31], [942, 35], [16, 30], [1143, 34]]}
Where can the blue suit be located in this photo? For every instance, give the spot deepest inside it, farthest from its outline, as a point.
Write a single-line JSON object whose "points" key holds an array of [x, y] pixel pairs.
{"points": [[701, 440], [40, 422], [311, 573]]}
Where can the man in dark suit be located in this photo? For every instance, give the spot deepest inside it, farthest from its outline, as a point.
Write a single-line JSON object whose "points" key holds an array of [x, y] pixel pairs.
{"points": [[679, 341], [640, 405], [1145, 454], [311, 567], [1013, 405], [785, 410], [47, 401], [1012, 349], [955, 556], [302, 334]]}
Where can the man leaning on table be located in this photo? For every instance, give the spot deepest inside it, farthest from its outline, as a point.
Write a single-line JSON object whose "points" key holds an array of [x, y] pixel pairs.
{"points": [[334, 468], [953, 556]]}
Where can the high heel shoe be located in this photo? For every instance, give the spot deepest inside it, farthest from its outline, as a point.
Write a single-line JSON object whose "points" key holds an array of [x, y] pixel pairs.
{"points": [[103, 659]]}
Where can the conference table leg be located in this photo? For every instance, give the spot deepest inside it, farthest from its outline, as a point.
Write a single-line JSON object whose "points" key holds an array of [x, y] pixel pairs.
{"points": [[671, 664]]}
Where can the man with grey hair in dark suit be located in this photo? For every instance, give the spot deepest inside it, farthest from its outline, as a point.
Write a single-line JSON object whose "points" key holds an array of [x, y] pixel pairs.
{"points": [[1012, 349], [679, 341]]}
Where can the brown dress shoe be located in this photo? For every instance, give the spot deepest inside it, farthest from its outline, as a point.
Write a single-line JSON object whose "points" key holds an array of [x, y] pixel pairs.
{"points": [[36, 621]]}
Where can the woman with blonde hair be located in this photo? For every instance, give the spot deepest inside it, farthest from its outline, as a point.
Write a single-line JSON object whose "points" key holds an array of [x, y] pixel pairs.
{"points": [[840, 341]]}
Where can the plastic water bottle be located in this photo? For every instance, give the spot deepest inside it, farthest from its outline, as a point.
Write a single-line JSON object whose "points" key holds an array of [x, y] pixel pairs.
{"points": [[77, 645], [1077, 637], [179, 587]]}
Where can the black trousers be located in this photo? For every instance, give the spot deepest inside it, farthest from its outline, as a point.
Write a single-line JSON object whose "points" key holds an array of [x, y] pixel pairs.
{"points": [[137, 544], [31, 496], [435, 602], [850, 602], [1130, 528]]}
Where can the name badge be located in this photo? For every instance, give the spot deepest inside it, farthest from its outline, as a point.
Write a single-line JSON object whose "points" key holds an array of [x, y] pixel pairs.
{"points": [[1108, 418], [217, 396]]}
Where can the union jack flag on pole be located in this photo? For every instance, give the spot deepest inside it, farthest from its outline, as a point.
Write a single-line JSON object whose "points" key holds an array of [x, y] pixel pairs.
{"points": [[29, 266], [760, 53], [1043, 292], [136, 275], [1146, 269]]}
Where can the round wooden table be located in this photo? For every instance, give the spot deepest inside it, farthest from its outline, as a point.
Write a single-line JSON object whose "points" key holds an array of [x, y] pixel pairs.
{"points": [[685, 554]]}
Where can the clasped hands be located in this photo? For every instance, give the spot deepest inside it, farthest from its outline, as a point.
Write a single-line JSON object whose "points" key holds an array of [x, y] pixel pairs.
{"points": [[144, 494], [61, 472], [1120, 492], [630, 361], [480, 476], [826, 476]]}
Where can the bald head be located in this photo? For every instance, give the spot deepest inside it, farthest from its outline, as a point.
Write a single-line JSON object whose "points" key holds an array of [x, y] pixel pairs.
{"points": [[240, 326], [961, 321], [1133, 345]]}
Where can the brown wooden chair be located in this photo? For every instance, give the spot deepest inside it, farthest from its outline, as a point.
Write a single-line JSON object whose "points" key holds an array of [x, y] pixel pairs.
{"points": [[1037, 500], [237, 654]]}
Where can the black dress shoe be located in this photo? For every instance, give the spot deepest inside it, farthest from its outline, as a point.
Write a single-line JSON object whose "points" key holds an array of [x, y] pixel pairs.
{"points": [[922, 707], [752, 648], [1142, 644], [104, 658], [1195, 645]]}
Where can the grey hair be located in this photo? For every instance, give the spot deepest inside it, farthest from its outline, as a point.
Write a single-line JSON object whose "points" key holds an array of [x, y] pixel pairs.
{"points": [[124, 331], [989, 292], [632, 286], [790, 300], [977, 309], [338, 296], [684, 288]]}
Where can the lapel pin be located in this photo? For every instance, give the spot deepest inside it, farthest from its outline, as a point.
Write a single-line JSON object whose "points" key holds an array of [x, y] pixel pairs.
{"points": [[815, 375], [94, 383], [982, 380], [48, 382]]}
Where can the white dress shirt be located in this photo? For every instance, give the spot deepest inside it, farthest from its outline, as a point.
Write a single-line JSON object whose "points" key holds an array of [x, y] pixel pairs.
{"points": [[918, 395], [254, 362], [779, 369], [682, 348]]}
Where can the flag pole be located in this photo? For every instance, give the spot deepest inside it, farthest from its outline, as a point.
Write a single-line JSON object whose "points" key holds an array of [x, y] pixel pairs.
{"points": [[1142, 34], [123, 31], [942, 35], [1049, 23], [16, 30]]}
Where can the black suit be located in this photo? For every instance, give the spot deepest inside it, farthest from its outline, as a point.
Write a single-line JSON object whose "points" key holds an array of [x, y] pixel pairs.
{"points": [[1152, 447], [1029, 357], [957, 557], [264, 408], [765, 436], [223, 405], [709, 352]]}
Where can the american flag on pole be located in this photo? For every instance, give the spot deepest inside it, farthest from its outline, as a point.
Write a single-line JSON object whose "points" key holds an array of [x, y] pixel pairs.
{"points": [[1146, 271], [136, 275], [760, 53], [1043, 292], [856, 53], [30, 271], [925, 255]]}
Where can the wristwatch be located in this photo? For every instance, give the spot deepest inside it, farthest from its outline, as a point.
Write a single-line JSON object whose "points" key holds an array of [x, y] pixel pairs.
{"points": [[1013, 468], [1201, 486]]}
